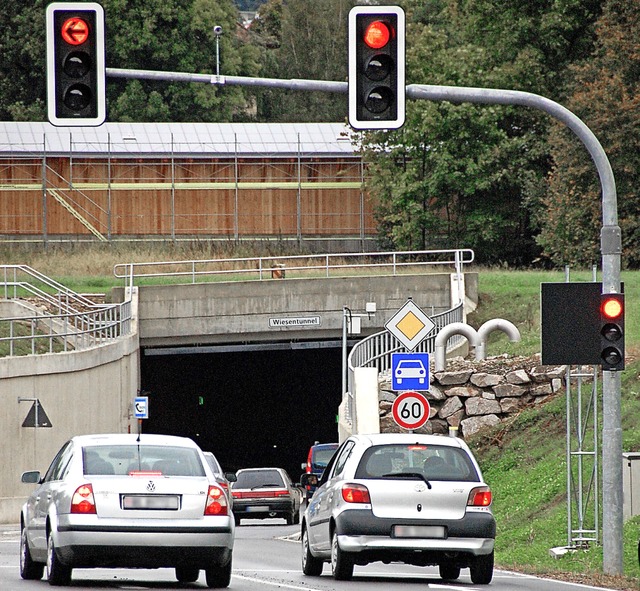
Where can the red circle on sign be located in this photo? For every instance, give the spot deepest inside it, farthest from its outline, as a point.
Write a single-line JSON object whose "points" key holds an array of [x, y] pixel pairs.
{"points": [[75, 31], [411, 410]]}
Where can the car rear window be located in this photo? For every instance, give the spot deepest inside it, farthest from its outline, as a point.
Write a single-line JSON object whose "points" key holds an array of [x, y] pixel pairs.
{"points": [[259, 479], [433, 462], [125, 459], [322, 456]]}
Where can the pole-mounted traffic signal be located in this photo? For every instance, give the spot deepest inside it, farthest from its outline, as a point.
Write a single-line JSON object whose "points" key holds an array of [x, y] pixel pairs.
{"points": [[612, 331], [75, 64], [376, 67]]}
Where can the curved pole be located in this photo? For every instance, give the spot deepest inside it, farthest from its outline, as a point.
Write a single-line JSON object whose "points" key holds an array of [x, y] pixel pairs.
{"points": [[443, 336], [488, 327], [611, 250]]}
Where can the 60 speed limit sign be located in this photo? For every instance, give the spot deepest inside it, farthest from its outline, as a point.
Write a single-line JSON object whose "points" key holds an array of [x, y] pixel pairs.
{"points": [[410, 410]]}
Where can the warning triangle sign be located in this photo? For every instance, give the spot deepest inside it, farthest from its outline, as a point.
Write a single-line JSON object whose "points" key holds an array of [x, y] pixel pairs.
{"points": [[42, 418]]}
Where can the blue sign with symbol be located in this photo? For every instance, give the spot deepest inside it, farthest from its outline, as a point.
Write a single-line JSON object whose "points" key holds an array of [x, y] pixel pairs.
{"points": [[141, 407], [410, 371]]}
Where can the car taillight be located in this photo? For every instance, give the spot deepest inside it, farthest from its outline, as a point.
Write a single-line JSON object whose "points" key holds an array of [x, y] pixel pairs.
{"points": [[309, 459], [480, 497], [216, 502], [355, 493], [83, 501]]}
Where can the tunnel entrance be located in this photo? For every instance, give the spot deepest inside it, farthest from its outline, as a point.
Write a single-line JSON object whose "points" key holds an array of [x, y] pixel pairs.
{"points": [[250, 408]]}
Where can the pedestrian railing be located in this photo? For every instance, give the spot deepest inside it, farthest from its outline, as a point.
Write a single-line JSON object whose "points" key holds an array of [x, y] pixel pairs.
{"points": [[298, 266], [51, 318]]}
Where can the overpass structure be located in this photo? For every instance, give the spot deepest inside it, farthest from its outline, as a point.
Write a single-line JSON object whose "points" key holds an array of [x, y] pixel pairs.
{"points": [[87, 375]]}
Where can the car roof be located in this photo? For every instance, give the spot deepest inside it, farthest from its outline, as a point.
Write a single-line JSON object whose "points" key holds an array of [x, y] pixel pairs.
{"points": [[406, 438], [259, 469], [131, 438]]}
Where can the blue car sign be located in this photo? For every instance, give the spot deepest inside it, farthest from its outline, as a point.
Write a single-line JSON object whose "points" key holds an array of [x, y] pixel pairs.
{"points": [[410, 371]]}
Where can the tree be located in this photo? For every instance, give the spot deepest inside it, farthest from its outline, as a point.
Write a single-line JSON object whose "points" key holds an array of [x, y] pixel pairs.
{"points": [[176, 35], [475, 173], [22, 67], [169, 35], [310, 43], [605, 96]]}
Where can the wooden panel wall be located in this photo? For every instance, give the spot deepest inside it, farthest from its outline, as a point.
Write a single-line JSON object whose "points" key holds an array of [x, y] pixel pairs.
{"points": [[138, 196]]}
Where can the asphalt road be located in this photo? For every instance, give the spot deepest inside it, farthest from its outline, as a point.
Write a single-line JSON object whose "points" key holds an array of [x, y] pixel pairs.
{"points": [[267, 558]]}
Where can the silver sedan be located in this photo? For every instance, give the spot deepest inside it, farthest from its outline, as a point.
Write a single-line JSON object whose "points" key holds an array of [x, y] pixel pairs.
{"points": [[417, 499], [127, 501]]}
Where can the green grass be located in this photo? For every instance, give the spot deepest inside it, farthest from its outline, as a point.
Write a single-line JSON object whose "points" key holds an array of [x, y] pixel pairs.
{"points": [[525, 460]]}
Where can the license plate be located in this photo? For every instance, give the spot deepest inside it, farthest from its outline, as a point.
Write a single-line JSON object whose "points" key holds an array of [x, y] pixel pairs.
{"points": [[166, 502], [257, 509], [419, 531]]}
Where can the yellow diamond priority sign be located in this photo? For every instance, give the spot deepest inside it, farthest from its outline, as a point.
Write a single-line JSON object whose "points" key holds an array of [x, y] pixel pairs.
{"points": [[410, 325]]}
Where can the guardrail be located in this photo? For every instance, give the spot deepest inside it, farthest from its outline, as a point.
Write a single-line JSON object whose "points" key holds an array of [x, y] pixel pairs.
{"points": [[298, 266], [54, 318]]}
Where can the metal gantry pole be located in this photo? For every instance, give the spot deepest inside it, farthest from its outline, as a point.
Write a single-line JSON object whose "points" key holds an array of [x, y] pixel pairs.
{"points": [[610, 246]]}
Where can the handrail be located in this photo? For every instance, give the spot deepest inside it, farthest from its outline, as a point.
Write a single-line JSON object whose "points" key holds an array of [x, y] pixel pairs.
{"points": [[376, 349], [63, 295], [65, 321], [260, 268]]}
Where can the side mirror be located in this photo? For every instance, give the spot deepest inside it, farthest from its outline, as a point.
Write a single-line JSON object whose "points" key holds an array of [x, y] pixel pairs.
{"points": [[231, 476], [309, 480], [31, 477]]}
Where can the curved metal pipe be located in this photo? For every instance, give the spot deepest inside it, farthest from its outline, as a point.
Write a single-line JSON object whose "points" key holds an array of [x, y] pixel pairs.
{"points": [[489, 326], [443, 336]]}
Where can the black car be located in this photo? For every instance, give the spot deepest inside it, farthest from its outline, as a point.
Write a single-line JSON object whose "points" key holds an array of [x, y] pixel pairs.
{"points": [[260, 493]]}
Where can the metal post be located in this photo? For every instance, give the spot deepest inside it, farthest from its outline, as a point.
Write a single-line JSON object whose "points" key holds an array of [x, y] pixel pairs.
{"points": [[610, 246], [345, 312]]}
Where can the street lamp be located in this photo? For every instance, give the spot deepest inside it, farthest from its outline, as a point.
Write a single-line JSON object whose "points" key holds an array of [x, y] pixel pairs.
{"points": [[351, 325]]}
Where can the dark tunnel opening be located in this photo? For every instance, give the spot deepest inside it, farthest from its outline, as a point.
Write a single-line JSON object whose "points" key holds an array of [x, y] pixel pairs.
{"points": [[250, 408]]}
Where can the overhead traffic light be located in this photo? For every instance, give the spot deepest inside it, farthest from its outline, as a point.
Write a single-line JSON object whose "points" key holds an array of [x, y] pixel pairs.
{"points": [[75, 64], [376, 67], [612, 331]]}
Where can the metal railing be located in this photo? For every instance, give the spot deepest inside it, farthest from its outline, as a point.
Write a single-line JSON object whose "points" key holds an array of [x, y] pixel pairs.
{"points": [[298, 266], [55, 318], [376, 349]]}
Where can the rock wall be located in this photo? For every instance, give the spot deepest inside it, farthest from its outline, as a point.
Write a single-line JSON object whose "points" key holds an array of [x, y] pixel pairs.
{"points": [[471, 395]]}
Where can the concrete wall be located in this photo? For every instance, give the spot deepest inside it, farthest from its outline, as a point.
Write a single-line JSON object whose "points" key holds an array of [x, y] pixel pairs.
{"points": [[235, 311], [87, 391], [91, 391]]}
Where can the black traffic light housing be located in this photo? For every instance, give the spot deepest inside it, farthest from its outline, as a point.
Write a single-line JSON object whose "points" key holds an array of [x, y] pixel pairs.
{"points": [[612, 331], [75, 64], [376, 67]]}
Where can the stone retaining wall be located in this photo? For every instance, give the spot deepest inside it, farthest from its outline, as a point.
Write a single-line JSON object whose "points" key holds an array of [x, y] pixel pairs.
{"points": [[471, 395]]}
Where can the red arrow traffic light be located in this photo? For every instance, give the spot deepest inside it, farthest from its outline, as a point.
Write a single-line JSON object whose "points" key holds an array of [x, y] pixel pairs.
{"points": [[75, 31], [75, 64]]}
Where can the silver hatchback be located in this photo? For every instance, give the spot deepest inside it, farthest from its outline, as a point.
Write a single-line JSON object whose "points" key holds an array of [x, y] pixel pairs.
{"points": [[127, 501], [417, 499]]}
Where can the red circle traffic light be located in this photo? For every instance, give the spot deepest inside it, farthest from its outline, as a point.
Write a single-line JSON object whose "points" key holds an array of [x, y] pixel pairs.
{"points": [[377, 35], [611, 308], [75, 31]]}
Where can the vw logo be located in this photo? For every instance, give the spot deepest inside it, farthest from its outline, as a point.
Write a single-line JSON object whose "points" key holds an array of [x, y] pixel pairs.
{"points": [[151, 486]]}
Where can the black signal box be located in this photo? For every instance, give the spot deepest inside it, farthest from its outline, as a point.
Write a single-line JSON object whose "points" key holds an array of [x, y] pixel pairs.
{"points": [[570, 316]]}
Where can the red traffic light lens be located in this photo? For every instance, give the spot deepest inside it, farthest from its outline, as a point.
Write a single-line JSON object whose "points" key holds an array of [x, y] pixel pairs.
{"points": [[75, 31], [377, 35], [611, 308]]}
